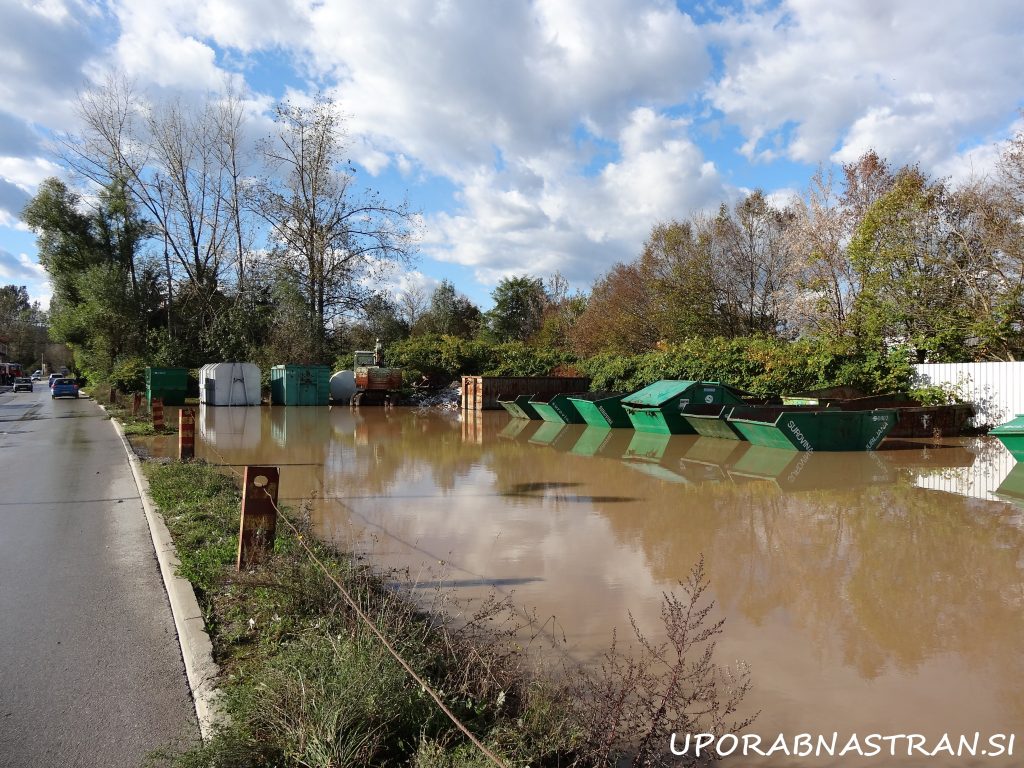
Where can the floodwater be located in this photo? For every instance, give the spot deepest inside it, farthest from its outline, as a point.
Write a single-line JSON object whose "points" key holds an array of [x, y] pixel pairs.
{"points": [[869, 593]]}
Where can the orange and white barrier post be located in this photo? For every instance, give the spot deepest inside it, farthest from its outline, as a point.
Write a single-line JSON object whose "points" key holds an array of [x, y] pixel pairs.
{"points": [[156, 405], [186, 434]]}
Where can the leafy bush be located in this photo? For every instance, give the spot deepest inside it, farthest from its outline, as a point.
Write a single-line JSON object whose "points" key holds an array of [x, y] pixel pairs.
{"points": [[129, 374], [445, 358], [759, 364]]}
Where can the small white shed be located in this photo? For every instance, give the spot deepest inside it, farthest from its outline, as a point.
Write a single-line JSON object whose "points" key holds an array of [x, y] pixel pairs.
{"points": [[229, 384]]}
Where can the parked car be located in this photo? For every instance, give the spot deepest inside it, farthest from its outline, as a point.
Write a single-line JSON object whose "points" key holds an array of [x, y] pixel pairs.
{"points": [[53, 378], [63, 388], [23, 385]]}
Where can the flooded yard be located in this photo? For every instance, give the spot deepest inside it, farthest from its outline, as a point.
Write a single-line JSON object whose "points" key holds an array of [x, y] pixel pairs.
{"points": [[869, 593]]}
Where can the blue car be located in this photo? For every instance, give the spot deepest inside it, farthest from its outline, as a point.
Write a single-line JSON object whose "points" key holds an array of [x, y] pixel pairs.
{"points": [[63, 388]]}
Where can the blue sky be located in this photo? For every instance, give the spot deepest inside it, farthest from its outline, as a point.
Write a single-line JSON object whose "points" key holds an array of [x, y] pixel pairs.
{"points": [[539, 136]]}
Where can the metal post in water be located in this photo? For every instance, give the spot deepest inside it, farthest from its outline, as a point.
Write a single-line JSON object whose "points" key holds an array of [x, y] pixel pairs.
{"points": [[258, 525]]}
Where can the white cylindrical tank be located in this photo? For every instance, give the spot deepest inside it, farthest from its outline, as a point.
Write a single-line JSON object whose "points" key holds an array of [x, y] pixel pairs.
{"points": [[343, 386], [229, 384]]}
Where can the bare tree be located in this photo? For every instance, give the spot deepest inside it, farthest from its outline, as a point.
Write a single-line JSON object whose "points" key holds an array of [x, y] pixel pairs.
{"points": [[817, 238], [413, 303], [330, 241], [754, 263], [183, 167]]}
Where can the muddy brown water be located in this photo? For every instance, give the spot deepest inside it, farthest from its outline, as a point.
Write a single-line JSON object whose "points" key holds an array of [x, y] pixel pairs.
{"points": [[870, 593]]}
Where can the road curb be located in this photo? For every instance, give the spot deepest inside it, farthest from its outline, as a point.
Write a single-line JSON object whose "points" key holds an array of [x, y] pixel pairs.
{"points": [[196, 648]]}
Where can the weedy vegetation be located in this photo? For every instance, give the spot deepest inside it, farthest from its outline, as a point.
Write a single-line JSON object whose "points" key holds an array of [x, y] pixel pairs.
{"points": [[306, 683]]}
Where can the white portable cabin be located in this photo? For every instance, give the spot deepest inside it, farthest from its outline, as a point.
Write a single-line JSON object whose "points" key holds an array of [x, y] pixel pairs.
{"points": [[229, 384]]}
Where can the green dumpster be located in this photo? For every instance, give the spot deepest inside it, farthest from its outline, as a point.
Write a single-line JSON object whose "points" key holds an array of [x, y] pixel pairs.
{"points": [[557, 408], [169, 383], [657, 408], [300, 385], [813, 429], [1011, 434], [711, 421], [519, 408], [602, 409]]}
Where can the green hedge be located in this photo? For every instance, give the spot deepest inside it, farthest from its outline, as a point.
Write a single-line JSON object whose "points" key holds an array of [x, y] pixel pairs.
{"points": [[763, 365], [446, 358]]}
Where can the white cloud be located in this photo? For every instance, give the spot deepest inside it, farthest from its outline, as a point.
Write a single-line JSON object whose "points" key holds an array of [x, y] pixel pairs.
{"points": [[908, 79], [573, 223], [20, 268]]}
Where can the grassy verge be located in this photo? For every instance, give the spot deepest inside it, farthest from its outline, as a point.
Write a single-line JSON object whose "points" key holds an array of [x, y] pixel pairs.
{"points": [[306, 683]]}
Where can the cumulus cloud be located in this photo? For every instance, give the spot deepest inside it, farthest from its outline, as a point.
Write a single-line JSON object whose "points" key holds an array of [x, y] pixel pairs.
{"points": [[907, 79], [573, 222], [566, 128], [20, 268]]}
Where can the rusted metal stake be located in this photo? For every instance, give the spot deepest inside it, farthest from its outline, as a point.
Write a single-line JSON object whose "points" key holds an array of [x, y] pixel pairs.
{"points": [[259, 514], [136, 403], [156, 405], [113, 396], [186, 434]]}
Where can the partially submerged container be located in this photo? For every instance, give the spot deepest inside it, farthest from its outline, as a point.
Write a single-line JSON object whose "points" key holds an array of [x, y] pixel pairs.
{"points": [[657, 408], [813, 429], [342, 386], [229, 384], [481, 393], [519, 407], [933, 420], [171, 384], [557, 408], [299, 384], [1011, 435], [712, 421], [602, 409]]}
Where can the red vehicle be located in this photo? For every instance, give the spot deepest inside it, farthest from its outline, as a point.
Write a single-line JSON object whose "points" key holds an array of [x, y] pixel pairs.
{"points": [[9, 372]]}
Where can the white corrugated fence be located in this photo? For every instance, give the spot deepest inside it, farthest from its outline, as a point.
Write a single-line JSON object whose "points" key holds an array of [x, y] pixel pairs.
{"points": [[996, 389]]}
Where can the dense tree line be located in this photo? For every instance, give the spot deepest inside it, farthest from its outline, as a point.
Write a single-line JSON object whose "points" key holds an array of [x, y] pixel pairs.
{"points": [[192, 241]]}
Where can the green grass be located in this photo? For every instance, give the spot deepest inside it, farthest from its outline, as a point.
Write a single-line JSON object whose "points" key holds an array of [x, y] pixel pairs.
{"points": [[306, 683]]}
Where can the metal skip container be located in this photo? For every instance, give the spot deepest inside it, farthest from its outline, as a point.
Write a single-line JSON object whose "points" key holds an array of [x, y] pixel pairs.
{"points": [[300, 385], [171, 384], [229, 384], [813, 429], [658, 408]]}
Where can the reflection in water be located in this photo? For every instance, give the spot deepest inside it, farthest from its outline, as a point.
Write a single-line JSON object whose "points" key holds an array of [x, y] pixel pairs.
{"points": [[867, 594]]}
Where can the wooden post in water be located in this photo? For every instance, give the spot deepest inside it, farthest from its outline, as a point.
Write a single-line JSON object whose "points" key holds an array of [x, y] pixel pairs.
{"points": [[186, 434], [156, 405], [259, 514]]}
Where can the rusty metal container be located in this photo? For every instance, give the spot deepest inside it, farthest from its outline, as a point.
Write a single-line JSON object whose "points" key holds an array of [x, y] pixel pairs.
{"points": [[481, 393], [378, 378]]}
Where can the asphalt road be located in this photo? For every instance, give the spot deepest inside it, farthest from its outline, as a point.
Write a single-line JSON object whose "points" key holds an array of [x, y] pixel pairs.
{"points": [[90, 668]]}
